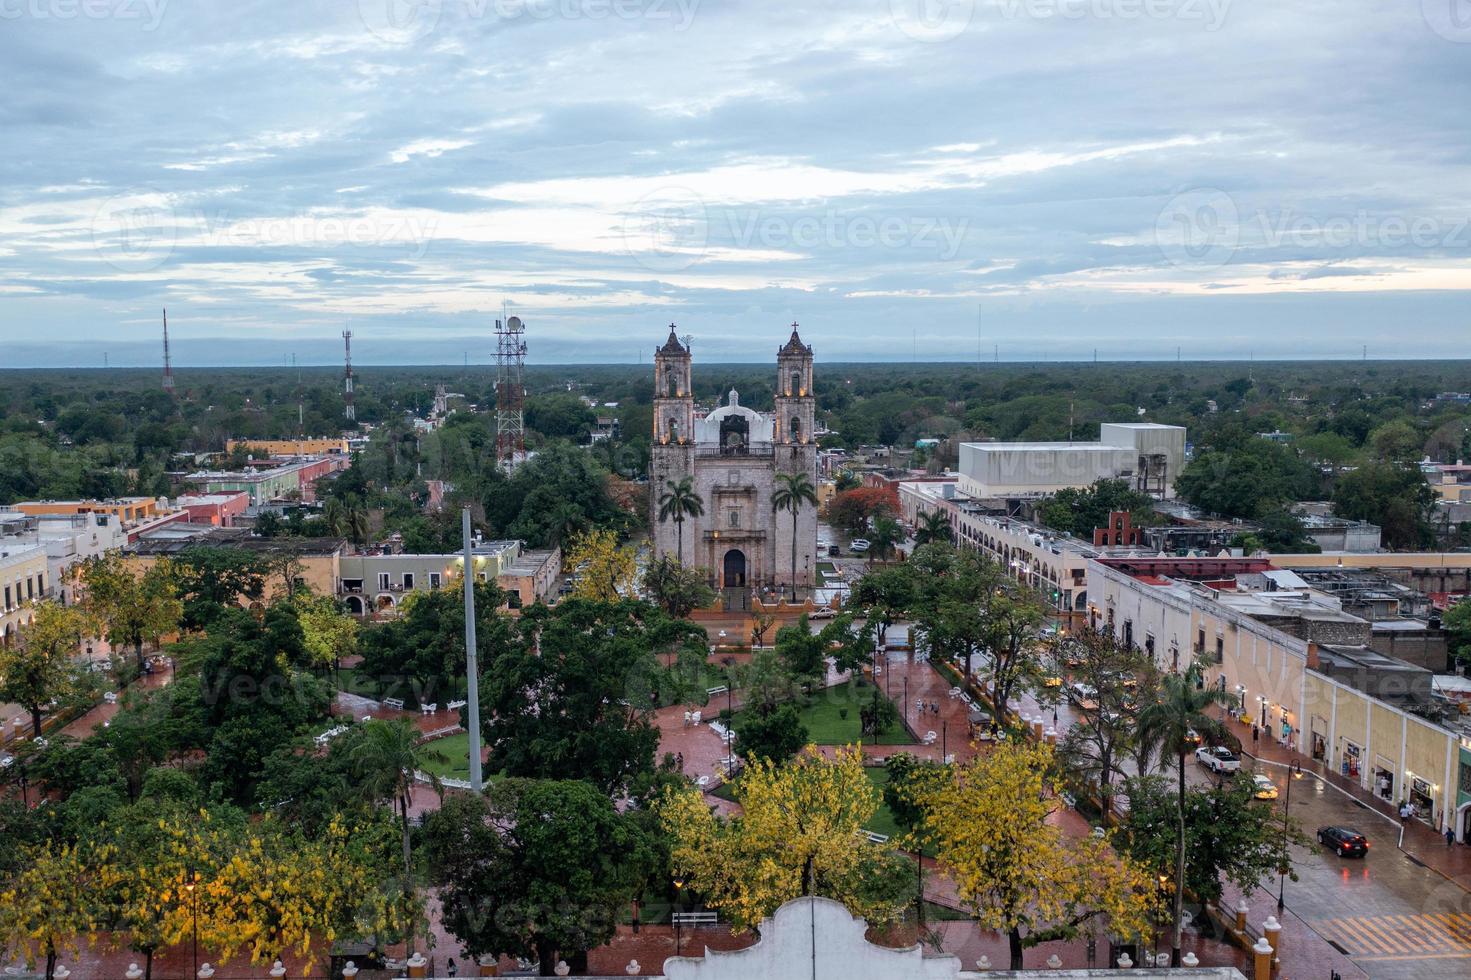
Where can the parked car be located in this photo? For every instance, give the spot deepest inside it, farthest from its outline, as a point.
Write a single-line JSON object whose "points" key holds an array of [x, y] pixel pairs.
{"points": [[1192, 737], [859, 545], [833, 551], [1263, 788], [1217, 758], [1052, 681], [1080, 693], [1344, 840]]}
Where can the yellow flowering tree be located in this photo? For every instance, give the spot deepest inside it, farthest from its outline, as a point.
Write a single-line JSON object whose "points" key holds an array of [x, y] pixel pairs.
{"points": [[258, 889], [50, 904], [799, 833], [1017, 871], [608, 571]]}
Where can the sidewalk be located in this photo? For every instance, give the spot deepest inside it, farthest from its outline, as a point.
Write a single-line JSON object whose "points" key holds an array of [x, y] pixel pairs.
{"points": [[1418, 840]]}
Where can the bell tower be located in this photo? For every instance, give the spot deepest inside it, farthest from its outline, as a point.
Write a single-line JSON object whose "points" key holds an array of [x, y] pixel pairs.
{"points": [[795, 408], [672, 455], [795, 451], [674, 402]]}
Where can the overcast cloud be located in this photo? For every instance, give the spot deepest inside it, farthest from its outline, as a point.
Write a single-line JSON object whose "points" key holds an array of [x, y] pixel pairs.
{"points": [[915, 178]]}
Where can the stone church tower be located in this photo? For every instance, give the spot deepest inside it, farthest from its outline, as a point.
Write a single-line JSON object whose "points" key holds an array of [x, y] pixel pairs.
{"points": [[732, 457]]}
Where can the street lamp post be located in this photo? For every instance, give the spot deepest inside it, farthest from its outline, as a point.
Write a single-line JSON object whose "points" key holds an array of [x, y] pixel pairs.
{"points": [[944, 731], [194, 914], [1295, 773], [678, 884], [906, 699]]}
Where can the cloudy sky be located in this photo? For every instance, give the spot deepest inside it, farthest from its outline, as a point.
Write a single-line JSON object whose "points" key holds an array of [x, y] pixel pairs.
{"points": [[906, 178]]}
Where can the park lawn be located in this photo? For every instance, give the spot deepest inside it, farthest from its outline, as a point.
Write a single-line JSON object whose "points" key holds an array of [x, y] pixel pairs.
{"points": [[823, 717], [349, 680], [456, 749]]}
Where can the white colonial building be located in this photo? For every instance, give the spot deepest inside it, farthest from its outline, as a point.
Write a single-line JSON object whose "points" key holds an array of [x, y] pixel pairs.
{"points": [[732, 458]]}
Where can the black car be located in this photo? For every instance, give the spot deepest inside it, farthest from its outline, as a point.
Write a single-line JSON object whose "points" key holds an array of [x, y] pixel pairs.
{"points": [[1345, 842]]}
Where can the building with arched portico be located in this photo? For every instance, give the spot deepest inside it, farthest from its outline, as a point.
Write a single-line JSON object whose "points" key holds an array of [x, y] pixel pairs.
{"points": [[733, 458]]}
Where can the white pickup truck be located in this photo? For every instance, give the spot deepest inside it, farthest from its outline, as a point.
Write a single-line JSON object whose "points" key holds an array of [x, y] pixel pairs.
{"points": [[1217, 758]]}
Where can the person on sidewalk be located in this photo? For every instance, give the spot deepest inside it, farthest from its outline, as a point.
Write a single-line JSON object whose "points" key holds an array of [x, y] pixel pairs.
{"points": [[1256, 735], [1450, 837]]}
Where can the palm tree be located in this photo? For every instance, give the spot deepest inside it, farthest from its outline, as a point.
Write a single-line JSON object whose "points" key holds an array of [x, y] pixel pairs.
{"points": [[677, 503], [1166, 727], [933, 526], [334, 516], [356, 519], [384, 760], [882, 538], [793, 490]]}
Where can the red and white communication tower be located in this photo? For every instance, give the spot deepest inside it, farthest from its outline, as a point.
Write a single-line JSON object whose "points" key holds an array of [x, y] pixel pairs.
{"points": [[510, 391]]}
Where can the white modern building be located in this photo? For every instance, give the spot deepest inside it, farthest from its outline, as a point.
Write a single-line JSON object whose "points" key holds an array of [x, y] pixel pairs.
{"points": [[1146, 454]]}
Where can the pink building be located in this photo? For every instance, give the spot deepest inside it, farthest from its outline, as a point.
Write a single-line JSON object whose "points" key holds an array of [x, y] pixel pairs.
{"points": [[218, 509]]}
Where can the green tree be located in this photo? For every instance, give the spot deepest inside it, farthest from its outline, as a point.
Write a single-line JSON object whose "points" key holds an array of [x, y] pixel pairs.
{"points": [[385, 758], [677, 590], [130, 606], [1079, 511], [678, 502], [590, 669], [1229, 835], [933, 527], [885, 535], [536, 869], [212, 579], [803, 653], [1246, 477], [793, 492], [1395, 497], [1457, 624], [419, 657], [776, 735], [38, 668], [1172, 726]]}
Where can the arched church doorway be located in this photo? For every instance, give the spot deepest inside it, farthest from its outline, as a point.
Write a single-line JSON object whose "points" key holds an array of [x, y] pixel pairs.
{"points": [[735, 569]]}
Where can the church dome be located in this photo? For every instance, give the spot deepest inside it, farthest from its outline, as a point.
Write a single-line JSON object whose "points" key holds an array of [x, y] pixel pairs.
{"points": [[753, 427]]}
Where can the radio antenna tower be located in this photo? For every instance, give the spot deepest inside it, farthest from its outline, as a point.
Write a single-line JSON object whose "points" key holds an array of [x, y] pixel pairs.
{"points": [[350, 411], [168, 364], [510, 390]]}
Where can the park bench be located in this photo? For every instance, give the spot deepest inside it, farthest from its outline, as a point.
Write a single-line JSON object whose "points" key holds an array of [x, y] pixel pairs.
{"points": [[397, 704]]}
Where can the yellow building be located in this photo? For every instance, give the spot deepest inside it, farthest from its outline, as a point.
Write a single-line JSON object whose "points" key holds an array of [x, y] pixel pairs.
{"points": [[22, 584], [290, 447], [1263, 645]]}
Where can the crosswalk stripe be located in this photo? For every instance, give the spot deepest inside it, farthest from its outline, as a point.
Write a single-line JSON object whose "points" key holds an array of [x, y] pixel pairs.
{"points": [[1398, 935]]}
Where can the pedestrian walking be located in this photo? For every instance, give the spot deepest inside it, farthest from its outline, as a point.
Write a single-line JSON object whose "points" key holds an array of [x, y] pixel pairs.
{"points": [[1256, 735], [451, 969], [1450, 837]]}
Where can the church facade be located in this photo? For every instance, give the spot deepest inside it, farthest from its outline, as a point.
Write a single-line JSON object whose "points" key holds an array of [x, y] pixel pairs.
{"points": [[733, 458]]}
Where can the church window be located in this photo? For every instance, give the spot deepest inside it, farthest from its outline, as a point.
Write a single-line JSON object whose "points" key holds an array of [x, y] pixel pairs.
{"points": [[796, 386], [735, 518], [796, 429]]}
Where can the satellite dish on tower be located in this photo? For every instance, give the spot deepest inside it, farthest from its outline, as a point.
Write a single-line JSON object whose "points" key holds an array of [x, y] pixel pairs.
{"points": [[514, 323]]}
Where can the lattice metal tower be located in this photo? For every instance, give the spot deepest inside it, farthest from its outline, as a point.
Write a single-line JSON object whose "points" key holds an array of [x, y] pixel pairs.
{"points": [[168, 364], [350, 411], [510, 390]]}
